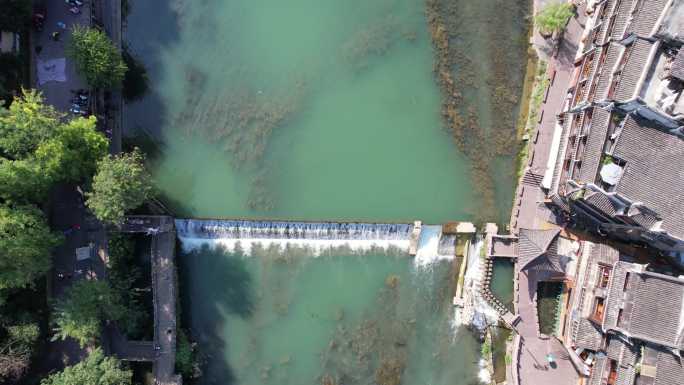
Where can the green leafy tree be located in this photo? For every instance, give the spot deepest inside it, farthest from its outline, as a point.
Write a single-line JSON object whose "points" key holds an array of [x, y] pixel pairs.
{"points": [[96, 57], [96, 369], [27, 123], [38, 149], [553, 17], [12, 69], [15, 15], [186, 361], [73, 153], [16, 349], [23, 181], [121, 183], [123, 273], [85, 306], [25, 246]]}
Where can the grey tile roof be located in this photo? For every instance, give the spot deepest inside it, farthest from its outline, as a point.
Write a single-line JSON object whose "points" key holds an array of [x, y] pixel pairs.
{"points": [[622, 351], [650, 305], [615, 294], [646, 15], [621, 12], [610, 4], [593, 150], [589, 336], [536, 250], [625, 375], [605, 254], [653, 173], [605, 76], [598, 370], [637, 55], [644, 217], [595, 64], [677, 69], [656, 308], [603, 202], [669, 369]]}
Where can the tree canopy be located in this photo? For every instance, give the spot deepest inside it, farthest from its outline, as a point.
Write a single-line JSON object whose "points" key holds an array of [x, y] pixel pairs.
{"points": [[38, 149], [26, 124], [96, 369], [73, 153], [86, 304], [553, 17], [16, 349], [15, 15], [25, 245], [23, 180], [120, 184], [96, 57]]}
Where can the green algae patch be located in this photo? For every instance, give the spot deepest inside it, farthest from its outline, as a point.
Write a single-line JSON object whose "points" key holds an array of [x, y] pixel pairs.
{"points": [[481, 83]]}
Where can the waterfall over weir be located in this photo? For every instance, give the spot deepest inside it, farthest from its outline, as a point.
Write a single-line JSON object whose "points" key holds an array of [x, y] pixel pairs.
{"points": [[317, 237]]}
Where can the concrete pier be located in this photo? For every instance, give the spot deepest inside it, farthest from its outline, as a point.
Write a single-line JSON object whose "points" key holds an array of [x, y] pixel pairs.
{"points": [[415, 237]]}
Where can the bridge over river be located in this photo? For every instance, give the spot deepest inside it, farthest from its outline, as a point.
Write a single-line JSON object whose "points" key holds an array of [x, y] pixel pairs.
{"points": [[317, 236]]}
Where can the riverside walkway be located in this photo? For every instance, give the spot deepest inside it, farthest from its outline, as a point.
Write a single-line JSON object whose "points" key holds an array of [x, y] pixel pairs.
{"points": [[531, 348]]}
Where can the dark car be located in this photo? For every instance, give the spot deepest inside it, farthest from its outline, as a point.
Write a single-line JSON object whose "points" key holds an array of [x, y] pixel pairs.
{"points": [[39, 15]]}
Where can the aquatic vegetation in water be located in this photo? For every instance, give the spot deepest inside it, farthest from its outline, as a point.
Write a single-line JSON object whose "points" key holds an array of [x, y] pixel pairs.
{"points": [[483, 125], [375, 40], [377, 347], [240, 120]]}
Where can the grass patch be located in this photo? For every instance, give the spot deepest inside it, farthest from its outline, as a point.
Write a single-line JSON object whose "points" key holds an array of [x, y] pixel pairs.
{"points": [[535, 97], [548, 302], [131, 278]]}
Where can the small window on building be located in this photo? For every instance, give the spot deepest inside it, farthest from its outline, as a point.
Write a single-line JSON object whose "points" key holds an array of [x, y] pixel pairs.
{"points": [[604, 276], [619, 317], [624, 287], [612, 376], [599, 307]]}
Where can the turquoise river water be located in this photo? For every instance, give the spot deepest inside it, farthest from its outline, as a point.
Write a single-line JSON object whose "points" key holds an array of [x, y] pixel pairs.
{"points": [[327, 109]]}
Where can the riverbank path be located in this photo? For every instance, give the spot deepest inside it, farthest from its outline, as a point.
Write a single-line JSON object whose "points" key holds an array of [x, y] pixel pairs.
{"points": [[532, 367]]}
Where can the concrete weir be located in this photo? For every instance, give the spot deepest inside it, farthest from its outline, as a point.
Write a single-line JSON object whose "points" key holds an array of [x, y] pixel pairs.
{"points": [[244, 235]]}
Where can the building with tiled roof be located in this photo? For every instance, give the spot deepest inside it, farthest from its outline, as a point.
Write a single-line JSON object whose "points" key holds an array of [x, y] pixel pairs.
{"points": [[538, 249], [616, 167], [615, 171], [617, 312], [646, 306]]}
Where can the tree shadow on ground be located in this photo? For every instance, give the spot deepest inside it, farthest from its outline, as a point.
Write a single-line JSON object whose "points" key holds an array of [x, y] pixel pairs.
{"points": [[214, 286]]}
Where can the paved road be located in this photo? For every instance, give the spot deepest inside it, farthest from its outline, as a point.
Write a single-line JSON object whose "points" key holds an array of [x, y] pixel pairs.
{"points": [[67, 212], [58, 93], [526, 214]]}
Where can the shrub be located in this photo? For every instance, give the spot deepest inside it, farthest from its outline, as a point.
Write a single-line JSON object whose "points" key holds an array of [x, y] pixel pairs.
{"points": [[553, 18], [96, 57]]}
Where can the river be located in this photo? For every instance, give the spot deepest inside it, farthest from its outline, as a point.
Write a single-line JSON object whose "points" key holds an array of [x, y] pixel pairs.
{"points": [[329, 110]]}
